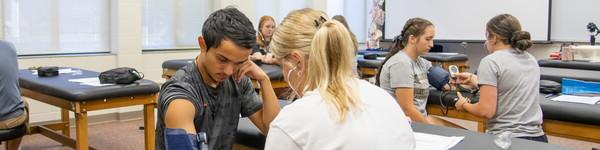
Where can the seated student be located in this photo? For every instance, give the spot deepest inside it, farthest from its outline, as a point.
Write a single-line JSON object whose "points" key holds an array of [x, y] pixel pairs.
{"points": [[261, 51], [13, 111], [509, 82], [335, 110], [210, 94], [403, 73]]}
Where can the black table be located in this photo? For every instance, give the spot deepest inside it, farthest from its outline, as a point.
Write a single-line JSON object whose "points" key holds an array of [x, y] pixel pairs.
{"points": [[72, 96], [477, 141], [557, 74], [581, 65], [249, 136], [570, 120]]}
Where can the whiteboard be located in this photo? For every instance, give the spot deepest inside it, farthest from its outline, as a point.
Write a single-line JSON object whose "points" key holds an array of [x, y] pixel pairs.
{"points": [[466, 19], [570, 18]]}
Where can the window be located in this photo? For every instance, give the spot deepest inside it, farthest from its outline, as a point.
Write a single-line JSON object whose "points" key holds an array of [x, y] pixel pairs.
{"points": [[354, 11], [277, 9], [57, 26], [173, 24]]}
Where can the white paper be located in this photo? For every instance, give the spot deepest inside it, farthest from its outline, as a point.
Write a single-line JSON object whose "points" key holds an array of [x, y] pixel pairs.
{"points": [[577, 99], [65, 70], [445, 53], [427, 141], [93, 81], [94, 84], [82, 80]]}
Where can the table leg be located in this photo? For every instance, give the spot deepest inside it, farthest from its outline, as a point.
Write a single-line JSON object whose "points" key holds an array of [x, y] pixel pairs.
{"points": [[81, 126], [149, 126], [64, 116]]}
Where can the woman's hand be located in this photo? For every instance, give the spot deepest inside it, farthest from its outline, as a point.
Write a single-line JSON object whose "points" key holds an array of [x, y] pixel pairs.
{"points": [[256, 56], [460, 102], [269, 59], [465, 78]]}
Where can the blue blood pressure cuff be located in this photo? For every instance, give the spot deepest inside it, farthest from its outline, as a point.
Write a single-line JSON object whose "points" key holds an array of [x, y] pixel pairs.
{"points": [[176, 139], [438, 77]]}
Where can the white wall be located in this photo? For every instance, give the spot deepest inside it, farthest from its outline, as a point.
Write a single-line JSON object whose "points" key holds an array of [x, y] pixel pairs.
{"points": [[126, 51]]}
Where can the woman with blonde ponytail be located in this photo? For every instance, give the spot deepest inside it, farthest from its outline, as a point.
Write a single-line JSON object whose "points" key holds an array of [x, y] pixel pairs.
{"points": [[335, 110]]}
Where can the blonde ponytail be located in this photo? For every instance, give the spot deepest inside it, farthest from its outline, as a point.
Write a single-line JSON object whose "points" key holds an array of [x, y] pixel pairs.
{"points": [[330, 68]]}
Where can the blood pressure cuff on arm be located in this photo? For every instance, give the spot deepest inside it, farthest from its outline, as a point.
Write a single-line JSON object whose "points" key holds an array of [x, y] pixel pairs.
{"points": [[438, 77], [176, 139]]}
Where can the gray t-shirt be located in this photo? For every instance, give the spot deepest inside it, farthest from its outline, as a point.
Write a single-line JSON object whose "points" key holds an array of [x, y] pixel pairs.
{"points": [[11, 104], [401, 71], [516, 75], [217, 109]]}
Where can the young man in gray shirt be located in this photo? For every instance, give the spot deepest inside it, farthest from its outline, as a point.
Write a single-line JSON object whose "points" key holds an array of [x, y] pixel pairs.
{"points": [[211, 94]]}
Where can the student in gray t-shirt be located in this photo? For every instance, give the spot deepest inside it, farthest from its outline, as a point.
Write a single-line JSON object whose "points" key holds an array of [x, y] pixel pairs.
{"points": [[509, 80], [211, 94], [403, 73]]}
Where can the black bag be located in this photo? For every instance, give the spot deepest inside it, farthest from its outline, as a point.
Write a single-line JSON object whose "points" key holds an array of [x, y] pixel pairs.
{"points": [[47, 71], [123, 75], [547, 87]]}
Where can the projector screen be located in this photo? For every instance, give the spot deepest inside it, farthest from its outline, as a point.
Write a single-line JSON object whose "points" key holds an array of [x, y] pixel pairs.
{"points": [[465, 20]]}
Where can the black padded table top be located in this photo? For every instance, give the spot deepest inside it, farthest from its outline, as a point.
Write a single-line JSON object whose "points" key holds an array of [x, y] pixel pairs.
{"points": [[445, 57], [563, 111], [176, 63], [438, 57], [570, 112], [379, 53], [556, 74], [61, 87], [582, 65], [248, 135], [477, 141], [369, 63], [273, 71]]}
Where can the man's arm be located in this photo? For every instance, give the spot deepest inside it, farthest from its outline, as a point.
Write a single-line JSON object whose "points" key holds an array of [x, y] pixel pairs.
{"points": [[180, 114], [262, 118]]}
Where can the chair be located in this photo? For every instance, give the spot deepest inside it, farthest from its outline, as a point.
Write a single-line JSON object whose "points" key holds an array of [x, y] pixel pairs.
{"points": [[12, 133]]}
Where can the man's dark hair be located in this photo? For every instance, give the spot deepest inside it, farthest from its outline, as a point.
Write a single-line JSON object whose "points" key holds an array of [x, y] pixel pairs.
{"points": [[228, 24]]}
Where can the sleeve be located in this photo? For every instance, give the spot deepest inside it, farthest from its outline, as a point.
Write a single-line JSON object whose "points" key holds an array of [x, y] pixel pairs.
{"points": [[278, 139], [250, 101], [488, 72], [172, 90], [401, 75]]}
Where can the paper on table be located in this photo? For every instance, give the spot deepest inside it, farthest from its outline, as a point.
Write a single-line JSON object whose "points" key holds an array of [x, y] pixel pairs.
{"points": [[95, 84], [446, 53], [83, 80], [577, 99], [427, 141], [93, 81]]}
